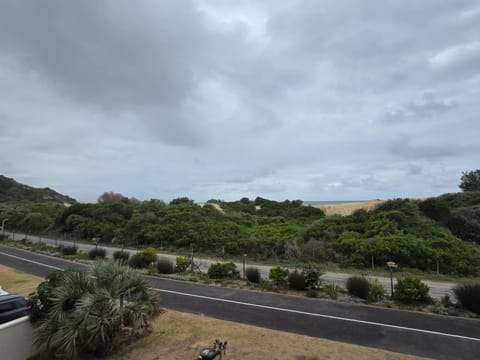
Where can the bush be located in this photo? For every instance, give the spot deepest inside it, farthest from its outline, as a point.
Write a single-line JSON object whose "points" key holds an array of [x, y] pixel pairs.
{"points": [[182, 264], [331, 290], [3, 237], [143, 259], [313, 274], [358, 286], [376, 291], [165, 266], [69, 250], [97, 253], [469, 296], [296, 280], [121, 256], [40, 302], [253, 275], [313, 293], [411, 290], [278, 275], [223, 271]]}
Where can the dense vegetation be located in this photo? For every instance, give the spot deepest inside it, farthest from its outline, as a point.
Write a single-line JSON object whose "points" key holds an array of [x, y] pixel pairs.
{"points": [[435, 234]]}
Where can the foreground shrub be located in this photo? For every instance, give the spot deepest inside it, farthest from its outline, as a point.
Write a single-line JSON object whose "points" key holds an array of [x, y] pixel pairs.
{"points": [[358, 286], [143, 259], [69, 250], [253, 274], [376, 291], [278, 275], [296, 280], [40, 302], [182, 264], [469, 296], [97, 253], [87, 313], [223, 271], [121, 256], [165, 266], [411, 290]]}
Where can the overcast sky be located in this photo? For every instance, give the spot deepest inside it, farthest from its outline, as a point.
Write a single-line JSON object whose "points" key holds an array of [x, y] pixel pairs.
{"points": [[312, 100]]}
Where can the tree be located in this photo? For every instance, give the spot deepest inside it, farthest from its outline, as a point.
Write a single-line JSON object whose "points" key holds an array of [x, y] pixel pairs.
{"points": [[111, 196], [470, 180], [88, 314]]}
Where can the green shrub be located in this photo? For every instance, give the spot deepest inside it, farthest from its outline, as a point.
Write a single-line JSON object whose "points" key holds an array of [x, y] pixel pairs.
{"points": [[469, 296], [121, 256], [182, 264], [253, 275], [296, 280], [313, 293], [165, 266], [376, 291], [446, 301], [69, 250], [358, 286], [278, 275], [3, 237], [97, 253], [313, 274], [223, 271], [331, 290], [411, 290], [40, 302], [267, 285], [143, 259]]}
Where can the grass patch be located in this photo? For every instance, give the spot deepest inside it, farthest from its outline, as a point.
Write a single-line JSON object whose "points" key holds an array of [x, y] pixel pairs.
{"points": [[181, 336], [16, 282]]}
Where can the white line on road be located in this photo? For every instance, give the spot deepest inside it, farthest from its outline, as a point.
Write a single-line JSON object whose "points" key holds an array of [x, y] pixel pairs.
{"points": [[31, 261], [278, 308], [318, 315]]}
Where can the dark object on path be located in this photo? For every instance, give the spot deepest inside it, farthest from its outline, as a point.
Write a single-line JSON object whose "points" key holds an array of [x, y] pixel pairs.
{"points": [[217, 349]]}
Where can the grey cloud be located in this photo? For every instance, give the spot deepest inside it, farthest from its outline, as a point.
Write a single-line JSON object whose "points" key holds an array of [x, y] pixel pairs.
{"points": [[427, 107], [215, 99], [427, 151]]}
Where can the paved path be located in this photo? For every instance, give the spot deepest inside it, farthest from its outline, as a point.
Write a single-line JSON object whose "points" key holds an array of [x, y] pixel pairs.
{"points": [[439, 337], [437, 289]]}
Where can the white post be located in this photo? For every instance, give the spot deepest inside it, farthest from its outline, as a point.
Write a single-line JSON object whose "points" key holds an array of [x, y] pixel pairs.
{"points": [[3, 226]]}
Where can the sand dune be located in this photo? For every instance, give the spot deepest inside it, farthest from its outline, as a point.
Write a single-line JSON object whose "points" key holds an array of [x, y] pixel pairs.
{"points": [[348, 208]]}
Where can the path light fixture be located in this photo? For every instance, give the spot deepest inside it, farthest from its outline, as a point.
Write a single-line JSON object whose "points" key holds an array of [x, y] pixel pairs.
{"points": [[391, 265]]}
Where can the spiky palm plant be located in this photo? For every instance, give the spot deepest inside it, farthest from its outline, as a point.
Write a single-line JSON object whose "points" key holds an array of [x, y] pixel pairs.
{"points": [[88, 311]]}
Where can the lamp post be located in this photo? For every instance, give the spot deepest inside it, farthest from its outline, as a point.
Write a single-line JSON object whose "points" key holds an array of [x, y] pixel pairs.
{"points": [[391, 265], [3, 226]]}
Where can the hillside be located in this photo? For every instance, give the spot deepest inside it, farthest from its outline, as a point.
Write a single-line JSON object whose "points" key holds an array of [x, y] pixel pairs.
{"points": [[15, 193]]}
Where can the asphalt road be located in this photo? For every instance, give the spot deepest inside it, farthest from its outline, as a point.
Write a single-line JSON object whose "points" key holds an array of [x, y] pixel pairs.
{"points": [[437, 288], [434, 336]]}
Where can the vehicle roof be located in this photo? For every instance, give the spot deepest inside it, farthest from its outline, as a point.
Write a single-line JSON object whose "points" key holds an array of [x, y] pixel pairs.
{"points": [[10, 297]]}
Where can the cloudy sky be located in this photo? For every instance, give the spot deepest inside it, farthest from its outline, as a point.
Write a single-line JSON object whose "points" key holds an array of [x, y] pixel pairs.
{"points": [[312, 100]]}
